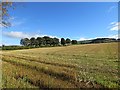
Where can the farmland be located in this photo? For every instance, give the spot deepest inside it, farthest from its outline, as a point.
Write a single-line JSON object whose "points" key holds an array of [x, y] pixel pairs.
{"points": [[75, 66]]}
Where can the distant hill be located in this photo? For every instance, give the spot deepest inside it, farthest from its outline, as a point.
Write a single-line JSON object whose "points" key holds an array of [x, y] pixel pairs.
{"points": [[99, 40]]}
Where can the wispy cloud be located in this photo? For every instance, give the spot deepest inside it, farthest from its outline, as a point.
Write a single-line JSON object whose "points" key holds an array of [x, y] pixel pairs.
{"points": [[114, 26], [111, 8], [17, 34], [16, 21], [12, 18]]}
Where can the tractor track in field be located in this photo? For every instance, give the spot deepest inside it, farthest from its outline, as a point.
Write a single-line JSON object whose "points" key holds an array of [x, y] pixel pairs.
{"points": [[37, 83], [40, 83], [61, 76], [53, 75], [58, 76], [56, 64], [44, 62]]}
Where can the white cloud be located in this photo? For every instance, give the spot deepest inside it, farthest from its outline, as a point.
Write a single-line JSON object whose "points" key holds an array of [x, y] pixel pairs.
{"points": [[82, 39], [110, 36], [114, 36], [112, 23], [38, 35], [115, 26], [1, 26], [111, 8], [1, 44], [16, 34]]}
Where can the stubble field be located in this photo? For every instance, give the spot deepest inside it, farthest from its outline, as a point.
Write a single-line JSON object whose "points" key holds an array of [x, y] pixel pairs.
{"points": [[76, 66]]}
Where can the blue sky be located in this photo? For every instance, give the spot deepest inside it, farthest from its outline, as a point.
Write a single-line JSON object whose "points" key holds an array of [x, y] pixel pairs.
{"points": [[80, 21]]}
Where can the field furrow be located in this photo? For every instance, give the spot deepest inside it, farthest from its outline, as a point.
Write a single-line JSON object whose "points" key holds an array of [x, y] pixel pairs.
{"points": [[55, 71], [41, 61], [33, 77]]}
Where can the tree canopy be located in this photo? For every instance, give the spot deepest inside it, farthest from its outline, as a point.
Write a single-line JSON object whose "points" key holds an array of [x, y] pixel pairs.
{"points": [[68, 41], [44, 41], [40, 41], [63, 42], [74, 41]]}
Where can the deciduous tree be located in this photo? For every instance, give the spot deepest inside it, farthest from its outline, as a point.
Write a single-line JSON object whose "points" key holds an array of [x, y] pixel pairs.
{"points": [[25, 42], [63, 42], [74, 41], [68, 41], [32, 41]]}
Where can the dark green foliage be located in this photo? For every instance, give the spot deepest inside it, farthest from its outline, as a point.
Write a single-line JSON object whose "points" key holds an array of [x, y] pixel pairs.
{"points": [[118, 39], [63, 42], [48, 40], [68, 41], [74, 41], [40, 41], [55, 41], [25, 42], [44, 41], [15, 47], [32, 41]]}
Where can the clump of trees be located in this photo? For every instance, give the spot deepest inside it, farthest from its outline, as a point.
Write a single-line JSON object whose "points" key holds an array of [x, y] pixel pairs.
{"points": [[40, 41], [74, 42], [46, 41]]}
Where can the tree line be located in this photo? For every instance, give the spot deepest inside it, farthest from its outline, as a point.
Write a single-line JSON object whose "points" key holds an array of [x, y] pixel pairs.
{"points": [[46, 41], [42, 42]]}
